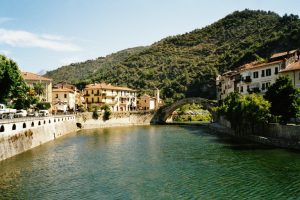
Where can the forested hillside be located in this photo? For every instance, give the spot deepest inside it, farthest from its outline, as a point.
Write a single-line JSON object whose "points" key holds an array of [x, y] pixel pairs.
{"points": [[186, 65]]}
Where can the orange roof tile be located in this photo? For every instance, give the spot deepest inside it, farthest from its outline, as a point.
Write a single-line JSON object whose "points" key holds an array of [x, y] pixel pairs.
{"points": [[62, 90], [254, 66], [292, 67], [35, 77], [107, 87], [276, 55]]}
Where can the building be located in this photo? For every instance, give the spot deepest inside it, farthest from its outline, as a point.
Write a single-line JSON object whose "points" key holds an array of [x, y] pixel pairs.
{"points": [[258, 76], [293, 71], [63, 99], [146, 102], [33, 80], [118, 98], [79, 99]]}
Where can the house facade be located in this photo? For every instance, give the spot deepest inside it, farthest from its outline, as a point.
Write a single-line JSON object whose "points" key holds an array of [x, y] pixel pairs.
{"points": [[257, 77], [293, 71], [63, 99], [32, 80], [120, 99], [146, 102]]}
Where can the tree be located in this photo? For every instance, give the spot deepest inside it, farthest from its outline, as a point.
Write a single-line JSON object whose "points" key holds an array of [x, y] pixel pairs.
{"points": [[12, 84], [107, 112], [284, 98], [39, 88], [245, 112]]}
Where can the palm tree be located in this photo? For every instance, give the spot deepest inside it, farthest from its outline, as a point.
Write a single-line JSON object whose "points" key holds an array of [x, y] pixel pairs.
{"points": [[39, 88]]}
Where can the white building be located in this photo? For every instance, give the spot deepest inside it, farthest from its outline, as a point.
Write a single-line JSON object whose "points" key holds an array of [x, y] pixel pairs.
{"points": [[63, 99], [257, 77]]}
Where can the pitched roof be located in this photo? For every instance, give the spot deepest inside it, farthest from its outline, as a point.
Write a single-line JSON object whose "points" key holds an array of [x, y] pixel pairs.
{"points": [[34, 77], [292, 67], [62, 90], [280, 54], [260, 65], [107, 87]]}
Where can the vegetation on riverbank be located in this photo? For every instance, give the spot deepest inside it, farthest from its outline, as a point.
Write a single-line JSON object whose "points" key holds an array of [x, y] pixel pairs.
{"points": [[280, 104], [13, 88], [191, 112]]}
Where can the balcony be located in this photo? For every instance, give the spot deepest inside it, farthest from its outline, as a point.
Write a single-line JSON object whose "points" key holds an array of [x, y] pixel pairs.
{"points": [[86, 95], [247, 79]]}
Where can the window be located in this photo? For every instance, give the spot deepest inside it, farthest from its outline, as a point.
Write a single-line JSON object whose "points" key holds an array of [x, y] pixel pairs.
{"points": [[262, 73], [276, 70], [255, 74], [268, 72], [242, 89], [263, 86], [92, 91], [299, 75], [65, 95], [56, 96], [92, 100], [268, 85]]}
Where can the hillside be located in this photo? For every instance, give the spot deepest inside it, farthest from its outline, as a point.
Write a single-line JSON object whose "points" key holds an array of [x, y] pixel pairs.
{"points": [[186, 65]]}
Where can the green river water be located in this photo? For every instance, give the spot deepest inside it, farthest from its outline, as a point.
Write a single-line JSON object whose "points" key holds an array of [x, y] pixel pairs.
{"points": [[150, 162]]}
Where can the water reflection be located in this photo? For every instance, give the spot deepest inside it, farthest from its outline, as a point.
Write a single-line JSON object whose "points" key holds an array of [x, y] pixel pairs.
{"points": [[151, 162]]}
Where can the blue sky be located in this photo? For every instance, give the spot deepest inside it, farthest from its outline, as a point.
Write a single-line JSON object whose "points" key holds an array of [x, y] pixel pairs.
{"points": [[46, 34]]}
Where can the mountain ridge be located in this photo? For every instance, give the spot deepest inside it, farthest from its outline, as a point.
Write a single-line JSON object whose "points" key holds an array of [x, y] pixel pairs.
{"points": [[186, 65]]}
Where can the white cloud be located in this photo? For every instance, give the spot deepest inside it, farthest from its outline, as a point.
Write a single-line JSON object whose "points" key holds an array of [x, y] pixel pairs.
{"points": [[19, 38]]}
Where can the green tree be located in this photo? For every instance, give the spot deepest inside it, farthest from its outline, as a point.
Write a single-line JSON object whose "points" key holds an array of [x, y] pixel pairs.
{"points": [[107, 112], [284, 98], [12, 84], [245, 111], [39, 88]]}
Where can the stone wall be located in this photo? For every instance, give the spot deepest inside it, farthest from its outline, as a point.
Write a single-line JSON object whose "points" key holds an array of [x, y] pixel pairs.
{"points": [[286, 136], [20, 135], [117, 119]]}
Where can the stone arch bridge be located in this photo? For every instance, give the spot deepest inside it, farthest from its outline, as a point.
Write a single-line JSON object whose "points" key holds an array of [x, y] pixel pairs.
{"points": [[163, 113]]}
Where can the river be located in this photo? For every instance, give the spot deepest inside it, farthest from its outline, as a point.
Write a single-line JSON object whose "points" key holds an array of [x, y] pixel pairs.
{"points": [[150, 162]]}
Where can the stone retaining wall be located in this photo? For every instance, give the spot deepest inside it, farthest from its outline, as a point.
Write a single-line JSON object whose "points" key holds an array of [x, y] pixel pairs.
{"points": [[117, 119], [20, 135]]}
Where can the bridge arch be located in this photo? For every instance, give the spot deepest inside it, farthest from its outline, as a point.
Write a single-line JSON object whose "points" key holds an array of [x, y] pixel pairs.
{"points": [[163, 114]]}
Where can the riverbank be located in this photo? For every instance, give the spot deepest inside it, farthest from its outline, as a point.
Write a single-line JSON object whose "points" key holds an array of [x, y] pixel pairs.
{"points": [[20, 135], [117, 119], [283, 136]]}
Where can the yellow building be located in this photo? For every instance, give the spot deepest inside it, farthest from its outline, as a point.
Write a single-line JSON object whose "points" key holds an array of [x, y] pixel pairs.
{"points": [[32, 79], [118, 98]]}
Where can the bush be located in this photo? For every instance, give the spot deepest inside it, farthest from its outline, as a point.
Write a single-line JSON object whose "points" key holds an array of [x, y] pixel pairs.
{"points": [[43, 105], [95, 114], [107, 112], [245, 111]]}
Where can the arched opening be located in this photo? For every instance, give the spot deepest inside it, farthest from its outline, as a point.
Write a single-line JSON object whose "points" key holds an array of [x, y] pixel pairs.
{"points": [[49, 121], [2, 129], [186, 110], [32, 124], [195, 113], [24, 125], [39, 123], [14, 127]]}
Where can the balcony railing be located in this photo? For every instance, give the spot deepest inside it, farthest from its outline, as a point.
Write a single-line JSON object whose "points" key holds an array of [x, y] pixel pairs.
{"points": [[247, 79]]}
